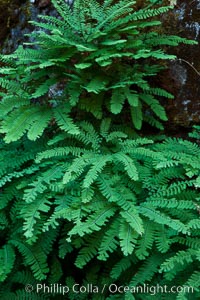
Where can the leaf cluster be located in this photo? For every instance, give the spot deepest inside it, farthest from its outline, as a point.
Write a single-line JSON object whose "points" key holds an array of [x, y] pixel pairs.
{"points": [[82, 189], [96, 59]]}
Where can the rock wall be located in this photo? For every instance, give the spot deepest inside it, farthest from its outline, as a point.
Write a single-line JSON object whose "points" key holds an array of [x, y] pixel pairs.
{"points": [[20, 12], [8, 16], [183, 75]]}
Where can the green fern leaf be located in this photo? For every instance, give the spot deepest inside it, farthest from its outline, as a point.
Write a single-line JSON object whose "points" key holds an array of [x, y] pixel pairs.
{"points": [[31, 213], [64, 120], [146, 240], [194, 281], [94, 222], [155, 105], [133, 99], [109, 242], [37, 128], [97, 167], [117, 101], [181, 257], [44, 88], [34, 257], [96, 85], [87, 194], [132, 218], [128, 238], [128, 165], [162, 239], [89, 250], [147, 269], [136, 115], [122, 266], [25, 119], [161, 218], [7, 259]]}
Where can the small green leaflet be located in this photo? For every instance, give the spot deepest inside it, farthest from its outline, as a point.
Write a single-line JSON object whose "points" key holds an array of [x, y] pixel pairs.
{"points": [[111, 43], [133, 99], [117, 101], [128, 238], [83, 65], [84, 48], [136, 115], [132, 217]]}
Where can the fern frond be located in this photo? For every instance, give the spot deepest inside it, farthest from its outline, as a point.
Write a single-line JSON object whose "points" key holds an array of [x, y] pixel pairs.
{"points": [[122, 266], [147, 270], [31, 213], [162, 240], [182, 257], [155, 105], [109, 243], [145, 241], [117, 101], [136, 115], [31, 119], [194, 280], [94, 222], [128, 238], [89, 250], [7, 260], [64, 121], [34, 257], [132, 217], [161, 218], [129, 165], [97, 167]]}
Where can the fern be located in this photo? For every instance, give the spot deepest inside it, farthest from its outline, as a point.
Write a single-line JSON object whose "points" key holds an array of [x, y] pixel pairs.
{"points": [[109, 242], [7, 260], [83, 190], [181, 257], [144, 273], [33, 257], [34, 121], [128, 238], [87, 252], [122, 266], [101, 42], [64, 121], [146, 240]]}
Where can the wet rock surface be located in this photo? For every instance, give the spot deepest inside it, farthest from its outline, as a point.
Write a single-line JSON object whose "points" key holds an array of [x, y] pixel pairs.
{"points": [[9, 10], [182, 78], [24, 11]]}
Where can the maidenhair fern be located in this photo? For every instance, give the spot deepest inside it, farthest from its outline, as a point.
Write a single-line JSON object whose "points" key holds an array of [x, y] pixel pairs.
{"points": [[94, 58], [82, 192], [107, 197]]}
